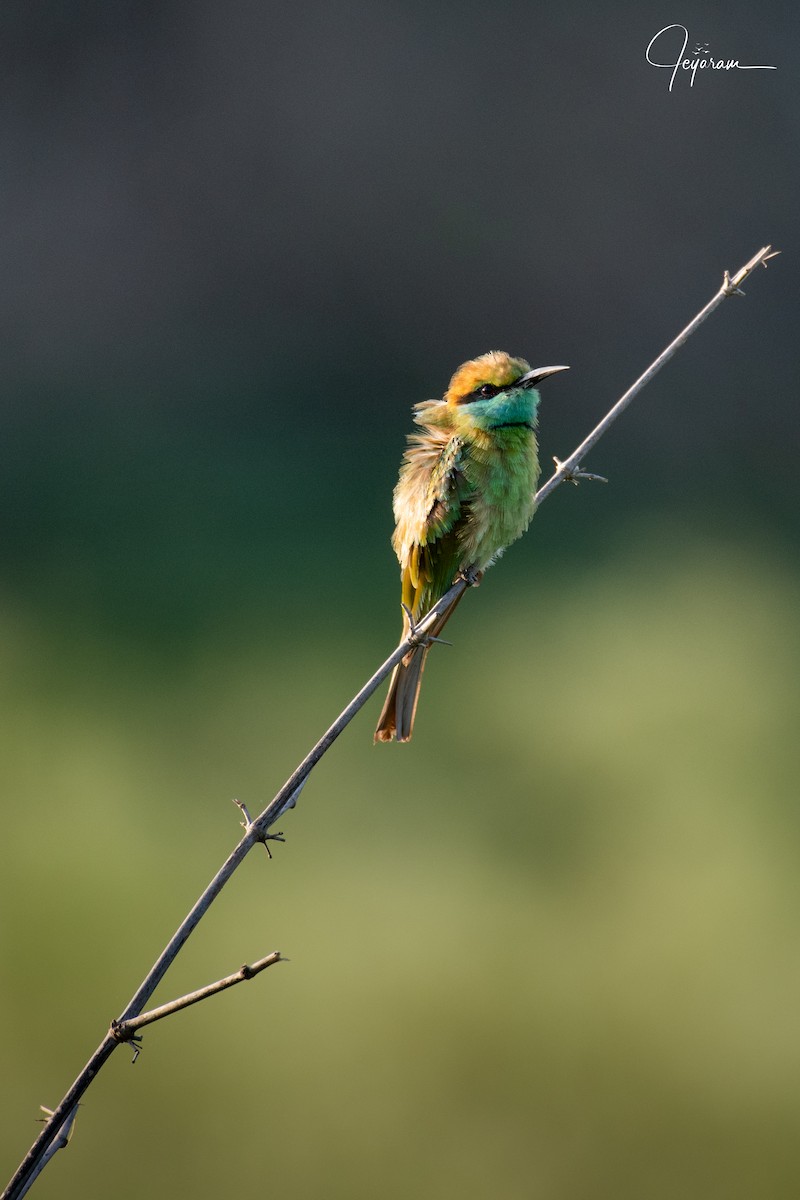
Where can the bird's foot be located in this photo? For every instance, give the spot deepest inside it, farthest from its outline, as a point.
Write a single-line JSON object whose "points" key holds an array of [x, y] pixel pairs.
{"points": [[471, 576], [576, 474]]}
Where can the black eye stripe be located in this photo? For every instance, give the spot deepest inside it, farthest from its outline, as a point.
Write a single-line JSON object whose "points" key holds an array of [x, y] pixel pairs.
{"points": [[485, 391]]}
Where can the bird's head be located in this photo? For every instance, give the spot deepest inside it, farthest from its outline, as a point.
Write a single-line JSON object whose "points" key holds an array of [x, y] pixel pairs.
{"points": [[496, 391]]}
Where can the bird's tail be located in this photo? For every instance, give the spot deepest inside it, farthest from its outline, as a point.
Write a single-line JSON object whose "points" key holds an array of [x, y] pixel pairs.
{"points": [[397, 716]]}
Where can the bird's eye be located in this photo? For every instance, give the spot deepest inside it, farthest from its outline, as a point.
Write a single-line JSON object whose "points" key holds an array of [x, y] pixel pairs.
{"points": [[486, 390]]}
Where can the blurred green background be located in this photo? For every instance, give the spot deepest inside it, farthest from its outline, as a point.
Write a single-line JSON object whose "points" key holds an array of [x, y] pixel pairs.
{"points": [[551, 947]]}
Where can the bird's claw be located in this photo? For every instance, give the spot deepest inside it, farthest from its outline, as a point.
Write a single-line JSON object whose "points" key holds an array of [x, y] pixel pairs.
{"points": [[575, 474], [471, 576]]}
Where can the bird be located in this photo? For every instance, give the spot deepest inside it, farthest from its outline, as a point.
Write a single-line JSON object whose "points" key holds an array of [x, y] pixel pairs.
{"points": [[466, 490]]}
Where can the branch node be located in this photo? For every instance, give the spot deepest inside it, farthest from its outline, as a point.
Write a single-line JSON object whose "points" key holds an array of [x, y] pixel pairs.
{"points": [[575, 474], [248, 823], [269, 837], [415, 638], [122, 1031], [729, 287], [65, 1133]]}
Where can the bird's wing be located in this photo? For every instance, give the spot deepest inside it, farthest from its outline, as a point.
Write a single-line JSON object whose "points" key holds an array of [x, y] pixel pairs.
{"points": [[430, 500]]}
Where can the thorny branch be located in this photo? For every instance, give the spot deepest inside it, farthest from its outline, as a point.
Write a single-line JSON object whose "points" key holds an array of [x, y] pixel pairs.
{"points": [[56, 1130]]}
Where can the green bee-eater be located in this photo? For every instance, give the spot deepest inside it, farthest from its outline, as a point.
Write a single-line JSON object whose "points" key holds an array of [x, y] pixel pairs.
{"points": [[466, 491]]}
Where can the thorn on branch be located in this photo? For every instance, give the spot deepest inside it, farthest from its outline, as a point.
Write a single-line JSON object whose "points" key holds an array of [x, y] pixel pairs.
{"points": [[415, 638], [247, 823], [272, 837], [122, 1032], [240, 804], [730, 286], [575, 474], [65, 1133]]}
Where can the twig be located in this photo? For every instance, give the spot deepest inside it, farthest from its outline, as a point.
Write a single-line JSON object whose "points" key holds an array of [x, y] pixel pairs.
{"points": [[256, 831], [126, 1031], [570, 470]]}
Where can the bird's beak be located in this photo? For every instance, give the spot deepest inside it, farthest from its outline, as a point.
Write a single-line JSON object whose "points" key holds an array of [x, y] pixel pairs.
{"points": [[535, 377]]}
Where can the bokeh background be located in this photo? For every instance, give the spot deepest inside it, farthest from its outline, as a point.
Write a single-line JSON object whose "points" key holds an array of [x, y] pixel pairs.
{"points": [[551, 947]]}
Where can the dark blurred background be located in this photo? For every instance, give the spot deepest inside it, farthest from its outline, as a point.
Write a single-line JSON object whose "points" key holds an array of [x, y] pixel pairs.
{"points": [[549, 948]]}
